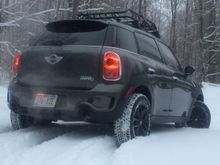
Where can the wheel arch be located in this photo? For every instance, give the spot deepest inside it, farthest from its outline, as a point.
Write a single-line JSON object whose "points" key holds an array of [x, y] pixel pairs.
{"points": [[200, 97], [145, 91]]}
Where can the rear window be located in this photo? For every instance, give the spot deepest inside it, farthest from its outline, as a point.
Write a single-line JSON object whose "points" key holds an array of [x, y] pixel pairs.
{"points": [[72, 33], [125, 40]]}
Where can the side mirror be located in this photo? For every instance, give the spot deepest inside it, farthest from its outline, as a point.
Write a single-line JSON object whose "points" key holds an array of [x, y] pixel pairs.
{"points": [[189, 70]]}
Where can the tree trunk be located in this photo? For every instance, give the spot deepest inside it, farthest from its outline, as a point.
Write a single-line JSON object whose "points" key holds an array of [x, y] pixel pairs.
{"points": [[140, 7], [75, 8], [173, 38], [186, 56]]}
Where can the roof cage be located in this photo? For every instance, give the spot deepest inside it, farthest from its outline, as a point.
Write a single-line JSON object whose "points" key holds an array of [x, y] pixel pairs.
{"points": [[127, 17]]}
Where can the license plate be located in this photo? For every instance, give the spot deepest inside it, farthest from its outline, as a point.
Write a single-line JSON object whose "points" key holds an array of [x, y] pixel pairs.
{"points": [[45, 100]]}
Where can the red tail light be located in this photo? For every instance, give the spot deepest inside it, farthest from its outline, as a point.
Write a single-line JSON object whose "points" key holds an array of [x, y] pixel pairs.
{"points": [[111, 66], [16, 63]]}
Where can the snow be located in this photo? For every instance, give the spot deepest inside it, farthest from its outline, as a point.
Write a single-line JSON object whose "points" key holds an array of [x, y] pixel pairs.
{"points": [[83, 144]]}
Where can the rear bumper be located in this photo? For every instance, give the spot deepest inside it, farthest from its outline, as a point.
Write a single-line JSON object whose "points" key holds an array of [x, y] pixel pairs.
{"points": [[100, 104]]}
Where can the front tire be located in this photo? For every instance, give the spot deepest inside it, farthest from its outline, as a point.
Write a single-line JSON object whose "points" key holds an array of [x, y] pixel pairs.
{"points": [[135, 119], [200, 117]]}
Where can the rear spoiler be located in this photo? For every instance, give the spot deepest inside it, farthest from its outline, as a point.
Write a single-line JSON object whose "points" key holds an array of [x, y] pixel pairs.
{"points": [[73, 26]]}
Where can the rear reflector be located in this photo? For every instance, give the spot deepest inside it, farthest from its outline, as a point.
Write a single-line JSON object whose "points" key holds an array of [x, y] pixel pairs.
{"points": [[111, 66], [16, 63]]}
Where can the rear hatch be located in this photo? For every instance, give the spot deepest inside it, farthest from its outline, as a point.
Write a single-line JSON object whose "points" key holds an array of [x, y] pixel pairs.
{"points": [[66, 56]]}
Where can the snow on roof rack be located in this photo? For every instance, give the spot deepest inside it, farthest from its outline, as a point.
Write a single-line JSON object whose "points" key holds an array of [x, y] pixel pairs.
{"points": [[128, 17]]}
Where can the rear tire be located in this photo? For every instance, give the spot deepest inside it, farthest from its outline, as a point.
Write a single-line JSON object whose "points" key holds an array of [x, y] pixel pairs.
{"points": [[20, 121], [200, 117], [135, 119]]}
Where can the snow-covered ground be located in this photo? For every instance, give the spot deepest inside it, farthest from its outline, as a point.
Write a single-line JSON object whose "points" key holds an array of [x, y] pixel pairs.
{"points": [[81, 144]]}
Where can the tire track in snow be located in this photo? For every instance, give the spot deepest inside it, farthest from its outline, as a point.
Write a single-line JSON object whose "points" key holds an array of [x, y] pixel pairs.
{"points": [[15, 142], [5, 129], [5, 125], [93, 151], [70, 148]]}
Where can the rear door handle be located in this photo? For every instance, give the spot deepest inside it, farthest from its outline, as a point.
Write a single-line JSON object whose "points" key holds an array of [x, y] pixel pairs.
{"points": [[151, 70]]}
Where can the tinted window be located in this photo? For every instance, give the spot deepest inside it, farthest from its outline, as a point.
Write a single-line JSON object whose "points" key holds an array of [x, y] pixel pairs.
{"points": [[169, 58], [75, 38], [125, 40], [148, 47]]}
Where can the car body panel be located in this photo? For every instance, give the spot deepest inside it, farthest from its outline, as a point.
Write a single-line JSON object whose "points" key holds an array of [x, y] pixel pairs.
{"points": [[77, 78]]}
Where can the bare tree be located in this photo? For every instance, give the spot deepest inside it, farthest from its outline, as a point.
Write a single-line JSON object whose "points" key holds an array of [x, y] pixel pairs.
{"points": [[186, 56], [75, 8], [173, 38], [192, 27]]}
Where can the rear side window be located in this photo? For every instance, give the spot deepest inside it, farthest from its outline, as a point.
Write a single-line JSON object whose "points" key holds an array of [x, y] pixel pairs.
{"points": [[126, 40], [73, 34], [169, 58], [148, 47]]}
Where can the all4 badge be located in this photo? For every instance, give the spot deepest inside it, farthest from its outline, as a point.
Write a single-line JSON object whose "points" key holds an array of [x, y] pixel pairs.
{"points": [[86, 78]]}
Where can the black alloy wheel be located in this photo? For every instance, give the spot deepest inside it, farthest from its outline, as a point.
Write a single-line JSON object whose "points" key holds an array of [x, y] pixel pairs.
{"points": [[140, 121]]}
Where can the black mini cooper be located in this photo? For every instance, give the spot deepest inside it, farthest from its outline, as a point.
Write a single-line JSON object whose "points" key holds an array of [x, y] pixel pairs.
{"points": [[104, 68]]}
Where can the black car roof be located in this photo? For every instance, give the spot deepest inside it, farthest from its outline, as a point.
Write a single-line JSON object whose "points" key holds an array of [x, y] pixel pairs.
{"points": [[130, 28]]}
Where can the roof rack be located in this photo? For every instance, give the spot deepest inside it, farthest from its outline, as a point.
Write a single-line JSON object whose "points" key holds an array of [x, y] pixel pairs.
{"points": [[128, 17]]}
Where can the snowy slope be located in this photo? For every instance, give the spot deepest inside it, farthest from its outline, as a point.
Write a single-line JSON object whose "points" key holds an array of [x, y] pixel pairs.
{"points": [[81, 144]]}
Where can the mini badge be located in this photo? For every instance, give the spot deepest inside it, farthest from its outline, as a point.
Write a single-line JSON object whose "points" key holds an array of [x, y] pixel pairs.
{"points": [[53, 59]]}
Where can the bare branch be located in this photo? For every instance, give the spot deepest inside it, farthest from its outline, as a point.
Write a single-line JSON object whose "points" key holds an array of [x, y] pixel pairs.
{"points": [[8, 45], [213, 74]]}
